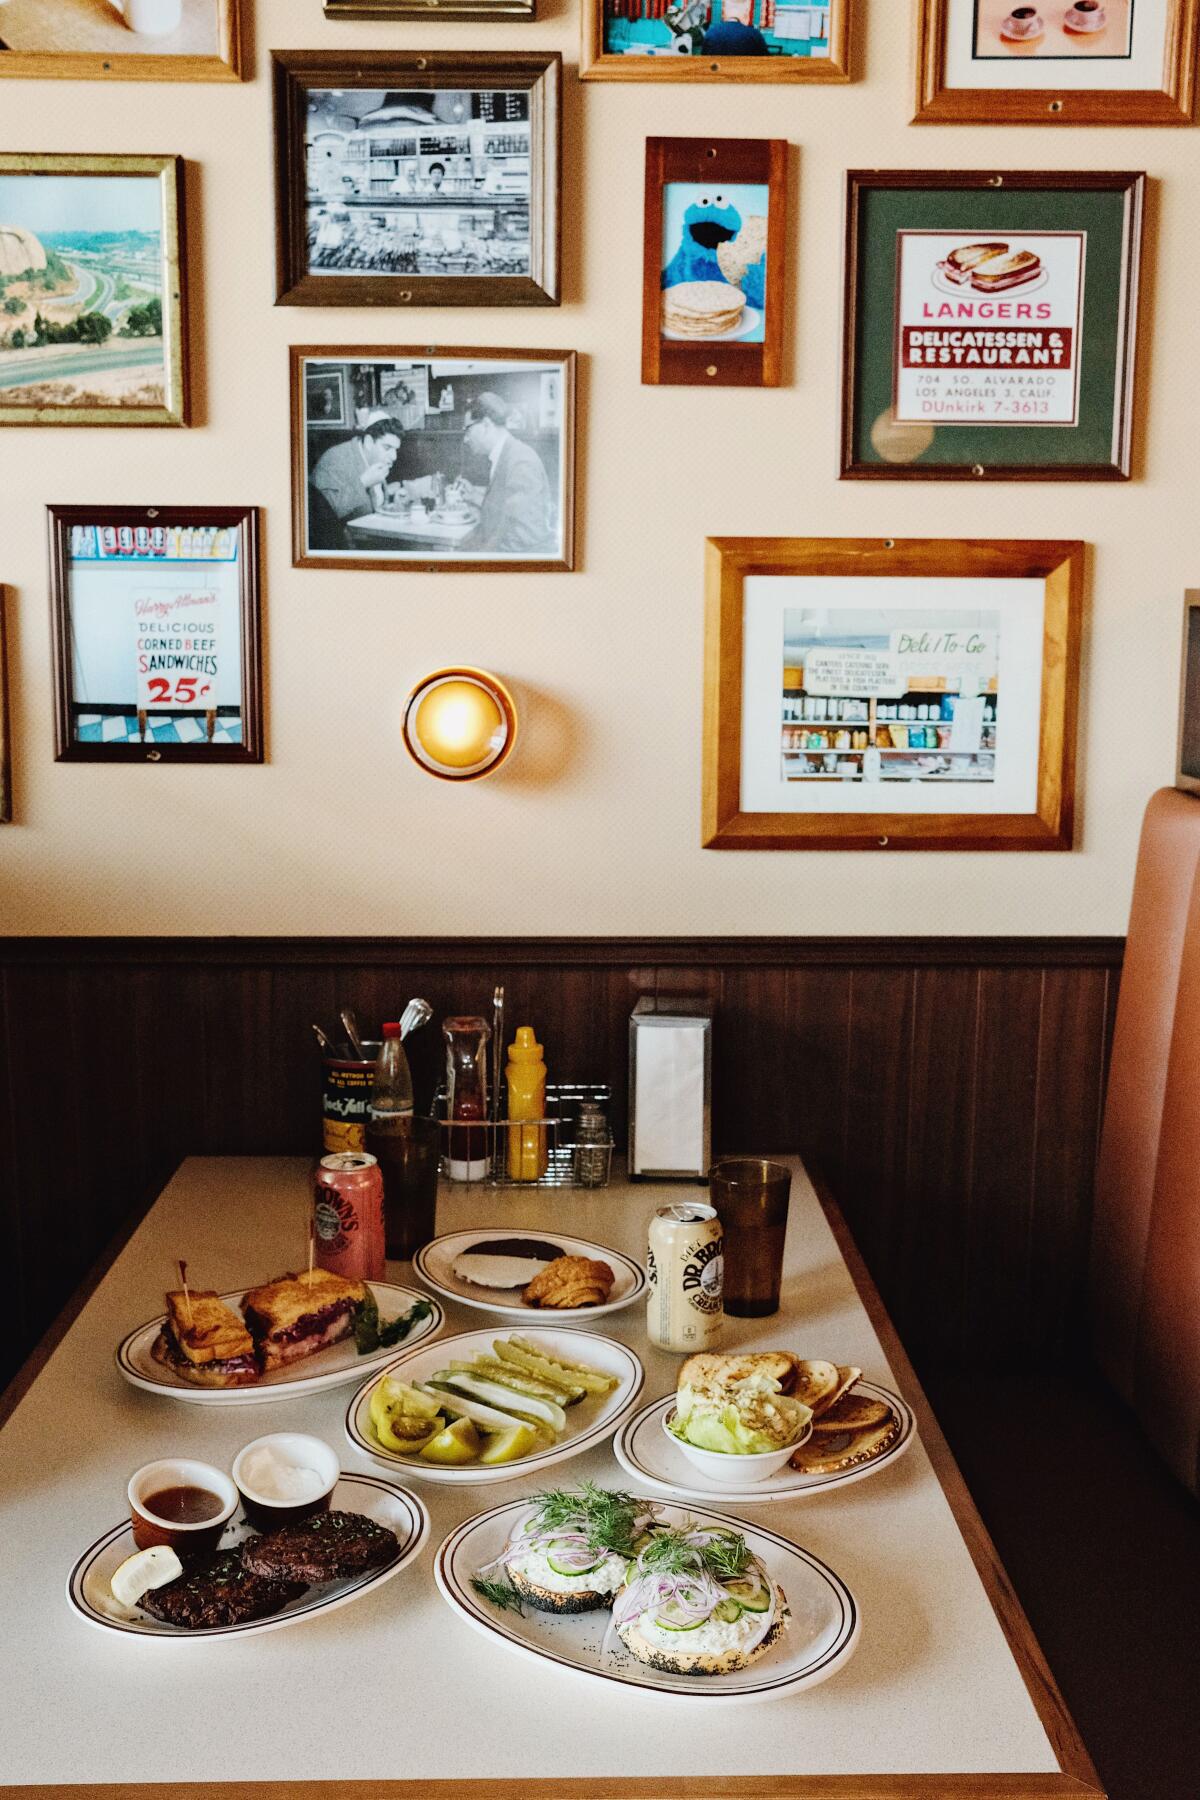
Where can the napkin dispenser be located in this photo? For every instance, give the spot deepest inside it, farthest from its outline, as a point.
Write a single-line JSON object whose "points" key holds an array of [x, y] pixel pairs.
{"points": [[670, 1088]]}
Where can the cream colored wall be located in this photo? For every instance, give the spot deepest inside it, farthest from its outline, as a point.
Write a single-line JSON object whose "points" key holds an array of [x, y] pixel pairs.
{"points": [[594, 826]]}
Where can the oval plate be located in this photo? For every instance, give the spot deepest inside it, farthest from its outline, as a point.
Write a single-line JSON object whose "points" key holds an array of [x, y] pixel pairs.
{"points": [[434, 1263], [333, 1367], [821, 1637], [589, 1422], [645, 1451], [88, 1590]]}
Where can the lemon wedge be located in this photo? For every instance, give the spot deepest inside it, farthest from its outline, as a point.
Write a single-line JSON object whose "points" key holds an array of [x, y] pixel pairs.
{"points": [[507, 1446], [459, 1443], [144, 1570]]}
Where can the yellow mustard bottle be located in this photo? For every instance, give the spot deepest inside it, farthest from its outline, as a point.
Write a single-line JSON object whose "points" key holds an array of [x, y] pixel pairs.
{"points": [[525, 1078]]}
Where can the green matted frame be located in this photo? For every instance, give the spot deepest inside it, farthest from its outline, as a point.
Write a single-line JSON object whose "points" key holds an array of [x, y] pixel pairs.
{"points": [[1108, 207]]}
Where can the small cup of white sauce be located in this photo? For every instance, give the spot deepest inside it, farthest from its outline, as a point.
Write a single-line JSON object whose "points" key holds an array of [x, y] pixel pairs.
{"points": [[285, 1476]]}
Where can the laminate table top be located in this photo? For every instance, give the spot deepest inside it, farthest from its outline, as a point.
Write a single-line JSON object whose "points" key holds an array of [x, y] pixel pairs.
{"points": [[946, 1694]]}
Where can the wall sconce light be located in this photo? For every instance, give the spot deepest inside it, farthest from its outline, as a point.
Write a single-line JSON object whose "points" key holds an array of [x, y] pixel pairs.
{"points": [[460, 723]]}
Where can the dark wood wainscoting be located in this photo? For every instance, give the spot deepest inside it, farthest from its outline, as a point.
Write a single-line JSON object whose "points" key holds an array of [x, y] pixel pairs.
{"points": [[950, 1089]]}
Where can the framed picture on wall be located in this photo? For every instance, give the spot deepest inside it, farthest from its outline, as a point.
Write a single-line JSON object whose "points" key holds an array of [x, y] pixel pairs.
{"points": [[1070, 62], [715, 40], [871, 693], [121, 40], [448, 459], [713, 276], [417, 180], [92, 321], [990, 325], [157, 633]]}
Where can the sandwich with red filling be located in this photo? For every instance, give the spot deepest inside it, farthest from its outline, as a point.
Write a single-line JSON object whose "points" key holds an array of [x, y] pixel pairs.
{"points": [[299, 1314], [205, 1342]]}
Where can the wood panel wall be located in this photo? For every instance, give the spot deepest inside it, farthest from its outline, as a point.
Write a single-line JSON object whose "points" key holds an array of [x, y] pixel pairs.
{"points": [[949, 1089]]}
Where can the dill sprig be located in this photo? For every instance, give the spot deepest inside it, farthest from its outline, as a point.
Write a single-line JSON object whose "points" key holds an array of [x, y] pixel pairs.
{"points": [[725, 1555], [605, 1516], [501, 1593]]}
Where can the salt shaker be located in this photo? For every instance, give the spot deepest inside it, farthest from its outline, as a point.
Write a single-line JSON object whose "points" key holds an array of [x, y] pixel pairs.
{"points": [[593, 1147]]}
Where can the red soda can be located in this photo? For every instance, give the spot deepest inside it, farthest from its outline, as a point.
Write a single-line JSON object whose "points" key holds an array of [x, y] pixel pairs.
{"points": [[348, 1226]]}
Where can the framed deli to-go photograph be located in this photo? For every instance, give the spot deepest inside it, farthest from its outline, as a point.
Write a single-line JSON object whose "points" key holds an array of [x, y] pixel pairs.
{"points": [[713, 277], [157, 633], [122, 40], [5, 737], [426, 458], [715, 40], [417, 180], [1066, 62], [990, 325], [92, 313], [915, 694]]}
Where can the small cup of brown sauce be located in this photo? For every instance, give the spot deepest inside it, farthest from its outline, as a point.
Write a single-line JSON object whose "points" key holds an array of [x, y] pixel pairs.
{"points": [[182, 1503]]}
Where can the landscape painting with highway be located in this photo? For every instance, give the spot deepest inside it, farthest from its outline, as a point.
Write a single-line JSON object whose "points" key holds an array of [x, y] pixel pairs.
{"points": [[90, 322]]}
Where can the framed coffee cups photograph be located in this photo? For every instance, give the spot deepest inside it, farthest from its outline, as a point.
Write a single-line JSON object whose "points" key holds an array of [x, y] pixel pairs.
{"points": [[157, 633], [429, 458], [92, 284], [1066, 62], [122, 40], [991, 324], [716, 40], [917, 694], [714, 261], [417, 180]]}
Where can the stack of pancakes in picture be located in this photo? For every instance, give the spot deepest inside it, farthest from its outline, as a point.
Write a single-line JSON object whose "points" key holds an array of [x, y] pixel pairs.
{"points": [[702, 308]]}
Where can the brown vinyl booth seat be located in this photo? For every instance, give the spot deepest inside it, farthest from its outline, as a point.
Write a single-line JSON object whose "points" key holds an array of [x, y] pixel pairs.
{"points": [[1145, 1275]]}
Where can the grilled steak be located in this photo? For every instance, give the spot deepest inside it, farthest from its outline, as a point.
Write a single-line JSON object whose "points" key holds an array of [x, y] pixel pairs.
{"points": [[220, 1591], [326, 1547]]}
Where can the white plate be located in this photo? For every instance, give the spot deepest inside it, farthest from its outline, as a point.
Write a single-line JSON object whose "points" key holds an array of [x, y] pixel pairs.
{"points": [[333, 1367], [749, 321], [645, 1451], [821, 1636], [89, 1593], [434, 1263], [589, 1422]]}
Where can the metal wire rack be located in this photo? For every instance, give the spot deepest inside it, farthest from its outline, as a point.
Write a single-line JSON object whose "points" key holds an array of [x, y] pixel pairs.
{"points": [[561, 1126]]}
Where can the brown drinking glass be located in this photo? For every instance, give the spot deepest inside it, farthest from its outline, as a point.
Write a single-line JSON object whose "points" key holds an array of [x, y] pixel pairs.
{"points": [[751, 1198], [408, 1152]]}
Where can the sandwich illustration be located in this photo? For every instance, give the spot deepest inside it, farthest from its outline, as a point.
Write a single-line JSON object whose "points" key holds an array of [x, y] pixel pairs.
{"points": [[990, 268]]}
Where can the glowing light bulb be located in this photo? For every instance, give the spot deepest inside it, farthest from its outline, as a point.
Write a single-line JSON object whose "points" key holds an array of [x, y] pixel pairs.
{"points": [[460, 723]]}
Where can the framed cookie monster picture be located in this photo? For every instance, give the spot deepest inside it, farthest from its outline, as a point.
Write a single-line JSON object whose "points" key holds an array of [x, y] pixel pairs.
{"points": [[716, 40], [714, 265]]}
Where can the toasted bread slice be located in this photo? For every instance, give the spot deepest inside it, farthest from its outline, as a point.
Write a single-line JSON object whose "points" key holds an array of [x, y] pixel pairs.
{"points": [[826, 1455], [816, 1380], [847, 1376], [240, 1371], [682, 1661], [709, 1372], [205, 1329], [299, 1314], [853, 1412]]}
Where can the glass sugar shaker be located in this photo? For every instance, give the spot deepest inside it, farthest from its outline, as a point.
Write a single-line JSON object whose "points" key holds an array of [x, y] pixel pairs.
{"points": [[593, 1147]]}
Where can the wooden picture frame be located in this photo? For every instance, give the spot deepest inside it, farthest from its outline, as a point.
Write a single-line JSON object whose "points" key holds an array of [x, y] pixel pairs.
{"points": [[500, 498], [129, 57], [172, 603], [6, 803], [149, 308], [1059, 406], [505, 11], [687, 22], [379, 199], [1025, 92], [715, 182], [1028, 770]]}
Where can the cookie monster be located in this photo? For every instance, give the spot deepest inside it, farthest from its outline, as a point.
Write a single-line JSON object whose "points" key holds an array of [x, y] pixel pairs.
{"points": [[708, 222]]}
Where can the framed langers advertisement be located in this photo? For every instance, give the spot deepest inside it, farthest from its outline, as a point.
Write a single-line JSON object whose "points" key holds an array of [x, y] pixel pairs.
{"points": [[990, 325], [914, 693]]}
